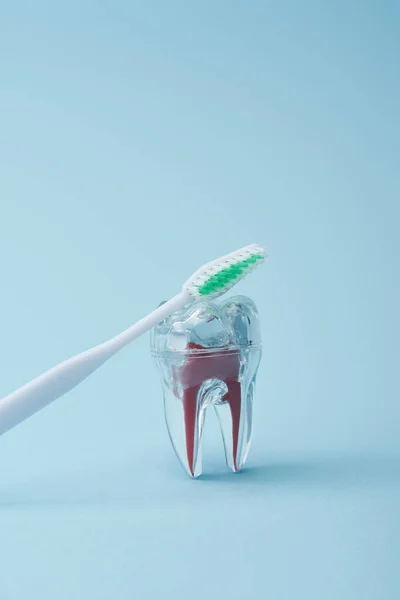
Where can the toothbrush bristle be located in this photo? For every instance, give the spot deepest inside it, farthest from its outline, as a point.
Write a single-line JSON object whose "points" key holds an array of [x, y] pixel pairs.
{"points": [[218, 277]]}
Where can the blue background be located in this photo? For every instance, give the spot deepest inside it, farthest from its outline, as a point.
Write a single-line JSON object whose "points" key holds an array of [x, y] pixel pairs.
{"points": [[138, 140]]}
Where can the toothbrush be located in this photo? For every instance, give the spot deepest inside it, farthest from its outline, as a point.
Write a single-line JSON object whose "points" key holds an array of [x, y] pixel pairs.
{"points": [[210, 281]]}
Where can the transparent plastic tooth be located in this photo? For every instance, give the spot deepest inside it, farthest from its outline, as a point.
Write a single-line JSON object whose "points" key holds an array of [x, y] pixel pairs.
{"points": [[208, 354]]}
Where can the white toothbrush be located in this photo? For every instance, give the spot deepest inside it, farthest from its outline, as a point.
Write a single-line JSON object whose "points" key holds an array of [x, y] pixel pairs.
{"points": [[212, 280]]}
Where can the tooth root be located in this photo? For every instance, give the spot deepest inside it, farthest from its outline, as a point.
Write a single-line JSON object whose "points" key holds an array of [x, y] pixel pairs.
{"points": [[184, 416], [233, 417], [202, 381], [235, 403], [191, 410]]}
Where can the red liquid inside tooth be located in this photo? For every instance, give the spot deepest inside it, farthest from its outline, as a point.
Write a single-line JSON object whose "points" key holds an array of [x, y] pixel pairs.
{"points": [[196, 370]]}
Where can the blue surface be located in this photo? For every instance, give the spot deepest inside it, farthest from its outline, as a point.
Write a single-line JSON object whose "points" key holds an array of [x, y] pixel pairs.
{"points": [[138, 141]]}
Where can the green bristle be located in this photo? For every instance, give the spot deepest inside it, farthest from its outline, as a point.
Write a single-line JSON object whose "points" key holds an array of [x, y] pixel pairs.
{"points": [[228, 275]]}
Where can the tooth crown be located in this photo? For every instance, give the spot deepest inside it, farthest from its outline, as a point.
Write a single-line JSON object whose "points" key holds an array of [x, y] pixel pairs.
{"points": [[207, 354]]}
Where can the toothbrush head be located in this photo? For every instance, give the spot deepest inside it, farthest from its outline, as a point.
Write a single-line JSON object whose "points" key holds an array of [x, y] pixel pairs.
{"points": [[219, 276]]}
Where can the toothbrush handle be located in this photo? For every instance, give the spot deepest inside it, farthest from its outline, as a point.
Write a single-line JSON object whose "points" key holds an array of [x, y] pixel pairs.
{"points": [[57, 381], [160, 313]]}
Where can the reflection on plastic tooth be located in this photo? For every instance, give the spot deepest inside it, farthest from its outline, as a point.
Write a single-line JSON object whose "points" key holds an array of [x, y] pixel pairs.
{"points": [[208, 354]]}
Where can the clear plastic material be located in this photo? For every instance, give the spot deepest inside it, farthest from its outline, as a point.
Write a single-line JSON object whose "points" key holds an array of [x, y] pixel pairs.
{"points": [[208, 354]]}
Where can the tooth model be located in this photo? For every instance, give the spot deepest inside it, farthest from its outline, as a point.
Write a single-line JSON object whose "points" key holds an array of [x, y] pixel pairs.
{"points": [[208, 354]]}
